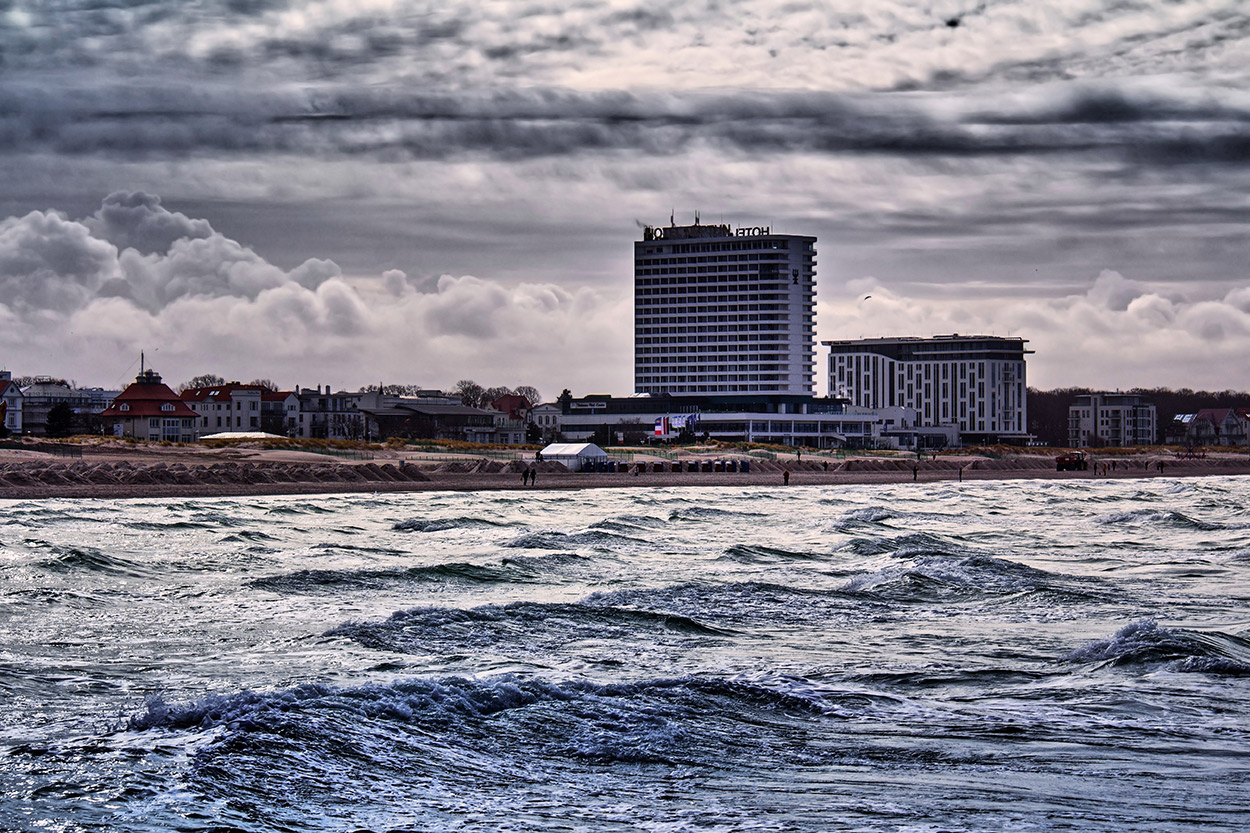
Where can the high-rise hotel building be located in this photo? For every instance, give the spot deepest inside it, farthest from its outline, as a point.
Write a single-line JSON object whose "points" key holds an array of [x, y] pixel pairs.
{"points": [[724, 311]]}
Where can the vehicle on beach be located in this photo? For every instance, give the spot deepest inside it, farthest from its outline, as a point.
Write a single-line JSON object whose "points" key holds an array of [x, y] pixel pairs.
{"points": [[1072, 461]]}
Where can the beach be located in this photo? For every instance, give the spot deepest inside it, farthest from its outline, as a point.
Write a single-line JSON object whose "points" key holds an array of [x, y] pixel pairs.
{"points": [[124, 471]]}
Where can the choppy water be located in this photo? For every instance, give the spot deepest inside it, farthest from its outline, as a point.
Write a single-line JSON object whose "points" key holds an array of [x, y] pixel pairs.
{"points": [[936, 657]]}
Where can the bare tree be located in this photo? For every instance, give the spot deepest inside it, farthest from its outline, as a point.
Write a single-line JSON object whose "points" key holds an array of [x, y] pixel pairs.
{"points": [[531, 393], [27, 381], [267, 384], [204, 380], [469, 391], [491, 394], [393, 390]]}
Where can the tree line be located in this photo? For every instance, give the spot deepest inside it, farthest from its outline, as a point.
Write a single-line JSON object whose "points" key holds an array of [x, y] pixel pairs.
{"points": [[476, 396], [468, 391]]}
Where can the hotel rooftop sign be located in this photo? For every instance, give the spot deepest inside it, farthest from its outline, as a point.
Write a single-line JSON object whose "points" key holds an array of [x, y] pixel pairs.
{"points": [[700, 231]]}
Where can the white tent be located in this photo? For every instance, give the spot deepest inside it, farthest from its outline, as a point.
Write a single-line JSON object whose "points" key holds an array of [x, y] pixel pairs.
{"points": [[574, 455], [242, 435]]}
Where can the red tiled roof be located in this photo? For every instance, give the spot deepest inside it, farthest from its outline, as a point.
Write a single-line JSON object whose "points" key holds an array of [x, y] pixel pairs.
{"points": [[512, 405], [1214, 415], [144, 398]]}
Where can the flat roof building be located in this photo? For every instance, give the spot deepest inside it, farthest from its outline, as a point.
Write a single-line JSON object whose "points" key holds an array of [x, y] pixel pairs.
{"points": [[719, 310], [1111, 419], [976, 383]]}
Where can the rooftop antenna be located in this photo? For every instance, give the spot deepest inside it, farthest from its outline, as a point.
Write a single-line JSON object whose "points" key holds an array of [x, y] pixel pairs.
{"points": [[696, 217], [672, 216]]}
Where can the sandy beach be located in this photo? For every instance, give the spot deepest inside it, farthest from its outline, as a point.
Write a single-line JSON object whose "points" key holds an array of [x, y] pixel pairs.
{"points": [[154, 471]]}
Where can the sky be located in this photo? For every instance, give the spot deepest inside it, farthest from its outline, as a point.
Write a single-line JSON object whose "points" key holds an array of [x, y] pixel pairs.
{"points": [[355, 192]]}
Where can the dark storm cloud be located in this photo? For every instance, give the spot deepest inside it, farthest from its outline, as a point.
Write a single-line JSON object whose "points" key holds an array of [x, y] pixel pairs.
{"points": [[1163, 127]]}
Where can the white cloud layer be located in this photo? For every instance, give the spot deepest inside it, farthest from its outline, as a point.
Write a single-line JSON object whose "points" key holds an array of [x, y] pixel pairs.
{"points": [[1117, 333], [209, 304]]}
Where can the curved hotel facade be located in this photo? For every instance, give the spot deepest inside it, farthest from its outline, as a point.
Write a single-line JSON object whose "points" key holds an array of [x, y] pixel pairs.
{"points": [[720, 311]]}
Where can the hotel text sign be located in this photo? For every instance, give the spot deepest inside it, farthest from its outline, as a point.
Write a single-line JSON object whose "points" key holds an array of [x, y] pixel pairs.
{"points": [[696, 232]]}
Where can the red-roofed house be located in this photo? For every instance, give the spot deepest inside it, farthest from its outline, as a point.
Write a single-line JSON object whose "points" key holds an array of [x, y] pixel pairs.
{"points": [[510, 429], [149, 410], [1217, 426]]}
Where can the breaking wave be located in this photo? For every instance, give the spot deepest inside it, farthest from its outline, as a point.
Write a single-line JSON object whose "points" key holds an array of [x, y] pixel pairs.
{"points": [[1145, 643]]}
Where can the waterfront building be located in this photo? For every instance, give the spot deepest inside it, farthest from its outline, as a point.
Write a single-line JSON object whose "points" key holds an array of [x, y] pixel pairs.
{"points": [[228, 407], [513, 414], [324, 414], [39, 398], [149, 410], [547, 417], [810, 422], [719, 310], [974, 383], [279, 413], [10, 404], [1111, 419], [1211, 426]]}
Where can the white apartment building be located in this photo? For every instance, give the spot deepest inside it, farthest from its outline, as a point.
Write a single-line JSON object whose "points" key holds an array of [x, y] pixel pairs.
{"points": [[222, 408], [719, 310], [1111, 419], [975, 383]]}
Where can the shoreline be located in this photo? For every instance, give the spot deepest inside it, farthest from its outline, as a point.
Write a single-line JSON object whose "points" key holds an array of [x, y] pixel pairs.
{"points": [[322, 478]]}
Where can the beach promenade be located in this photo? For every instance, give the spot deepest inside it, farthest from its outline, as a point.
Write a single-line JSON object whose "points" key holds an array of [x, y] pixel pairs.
{"points": [[157, 471]]}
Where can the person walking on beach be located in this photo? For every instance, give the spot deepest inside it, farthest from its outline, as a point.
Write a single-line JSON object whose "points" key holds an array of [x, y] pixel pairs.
{"points": [[533, 475], [525, 477], [785, 477]]}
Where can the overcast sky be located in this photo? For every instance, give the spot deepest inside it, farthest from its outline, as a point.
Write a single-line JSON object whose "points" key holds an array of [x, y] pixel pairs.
{"points": [[361, 191]]}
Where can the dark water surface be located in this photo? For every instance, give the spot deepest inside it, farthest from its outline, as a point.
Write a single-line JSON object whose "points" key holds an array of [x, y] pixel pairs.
{"points": [[1016, 656]]}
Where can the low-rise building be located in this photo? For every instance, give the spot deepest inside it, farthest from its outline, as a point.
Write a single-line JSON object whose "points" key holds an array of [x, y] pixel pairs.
{"points": [[781, 420], [149, 410], [11, 400], [39, 398], [513, 416], [1211, 427], [1117, 420], [279, 413], [546, 418], [324, 414], [229, 407], [430, 419]]}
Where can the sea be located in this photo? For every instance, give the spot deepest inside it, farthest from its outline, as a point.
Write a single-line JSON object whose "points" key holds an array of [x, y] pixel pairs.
{"points": [[981, 656]]}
